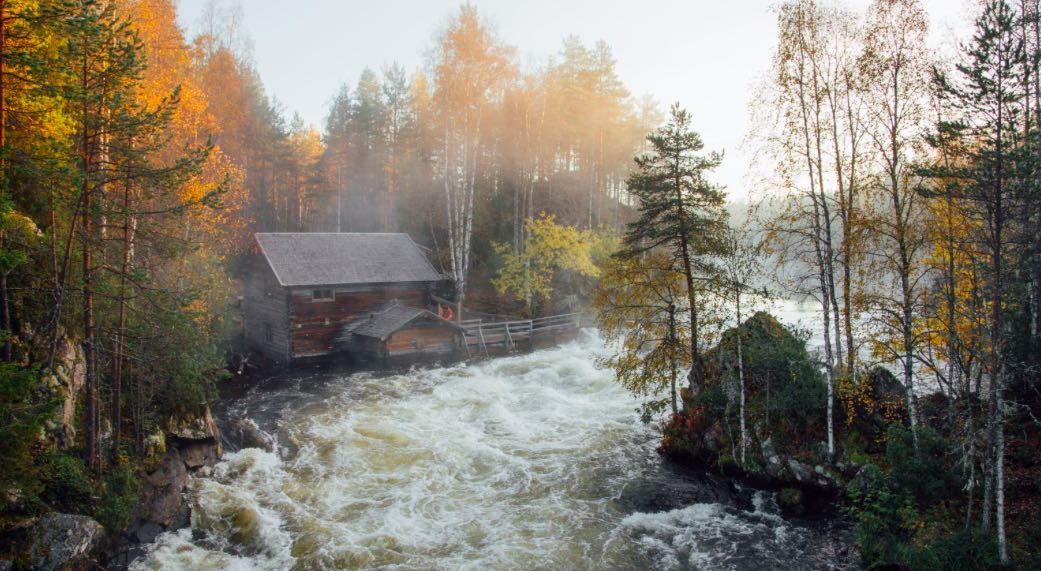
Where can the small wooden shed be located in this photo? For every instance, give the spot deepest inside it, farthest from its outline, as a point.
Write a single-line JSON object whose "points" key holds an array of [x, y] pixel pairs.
{"points": [[395, 331], [304, 288]]}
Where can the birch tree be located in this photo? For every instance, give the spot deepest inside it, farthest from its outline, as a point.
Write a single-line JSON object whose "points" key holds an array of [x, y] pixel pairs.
{"points": [[798, 92], [471, 69], [895, 64], [740, 264]]}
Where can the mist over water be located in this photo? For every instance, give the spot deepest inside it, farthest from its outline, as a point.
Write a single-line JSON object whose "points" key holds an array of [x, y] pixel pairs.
{"points": [[535, 461]]}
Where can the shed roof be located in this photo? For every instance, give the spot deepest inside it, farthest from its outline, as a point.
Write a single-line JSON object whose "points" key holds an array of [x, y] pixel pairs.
{"points": [[389, 318], [338, 258]]}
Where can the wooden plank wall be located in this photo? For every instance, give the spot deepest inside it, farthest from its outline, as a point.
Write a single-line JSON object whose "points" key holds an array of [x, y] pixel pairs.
{"points": [[264, 304], [424, 339], [315, 324]]}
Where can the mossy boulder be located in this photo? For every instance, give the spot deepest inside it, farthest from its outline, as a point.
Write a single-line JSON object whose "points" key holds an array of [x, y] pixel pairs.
{"points": [[785, 392]]}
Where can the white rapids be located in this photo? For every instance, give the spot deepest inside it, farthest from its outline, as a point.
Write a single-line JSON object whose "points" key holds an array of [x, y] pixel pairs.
{"points": [[523, 462]]}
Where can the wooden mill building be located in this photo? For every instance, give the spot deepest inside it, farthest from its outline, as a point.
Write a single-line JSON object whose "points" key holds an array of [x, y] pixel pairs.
{"points": [[368, 295]]}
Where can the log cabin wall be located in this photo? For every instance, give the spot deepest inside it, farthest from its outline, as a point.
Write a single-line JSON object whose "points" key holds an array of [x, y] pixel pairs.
{"points": [[315, 323], [265, 313]]}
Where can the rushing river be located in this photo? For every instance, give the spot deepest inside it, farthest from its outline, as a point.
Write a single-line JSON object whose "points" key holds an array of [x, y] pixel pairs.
{"points": [[535, 461]]}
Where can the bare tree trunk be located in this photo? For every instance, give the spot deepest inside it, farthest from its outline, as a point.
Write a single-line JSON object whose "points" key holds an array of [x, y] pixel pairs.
{"points": [[741, 377], [970, 461], [88, 335], [672, 354], [999, 476], [118, 352], [89, 350], [816, 182], [5, 309], [987, 509]]}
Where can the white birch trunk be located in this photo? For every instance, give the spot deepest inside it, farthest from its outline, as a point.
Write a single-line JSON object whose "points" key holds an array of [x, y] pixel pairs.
{"points": [[999, 471], [741, 379]]}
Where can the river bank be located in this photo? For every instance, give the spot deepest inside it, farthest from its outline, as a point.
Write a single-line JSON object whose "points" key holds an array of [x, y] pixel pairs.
{"points": [[534, 460]]}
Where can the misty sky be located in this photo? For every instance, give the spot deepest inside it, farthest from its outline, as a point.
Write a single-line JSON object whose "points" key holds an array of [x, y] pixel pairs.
{"points": [[706, 54]]}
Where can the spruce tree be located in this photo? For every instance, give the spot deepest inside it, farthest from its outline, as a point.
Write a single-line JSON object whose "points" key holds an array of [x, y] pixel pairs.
{"points": [[984, 115]]}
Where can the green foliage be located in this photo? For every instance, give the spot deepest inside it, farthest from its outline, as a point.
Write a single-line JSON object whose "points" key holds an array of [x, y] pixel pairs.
{"points": [[713, 400], [958, 550], [66, 485], [894, 527], [119, 497], [17, 232], [652, 409], [886, 516], [782, 380], [22, 418], [925, 474], [184, 364], [677, 204]]}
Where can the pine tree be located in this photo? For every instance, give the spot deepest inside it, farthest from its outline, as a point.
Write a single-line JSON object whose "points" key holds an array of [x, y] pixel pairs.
{"points": [[681, 211], [119, 141]]}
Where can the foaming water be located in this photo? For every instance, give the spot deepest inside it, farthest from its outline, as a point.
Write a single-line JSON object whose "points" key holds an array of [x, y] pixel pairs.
{"points": [[535, 461]]}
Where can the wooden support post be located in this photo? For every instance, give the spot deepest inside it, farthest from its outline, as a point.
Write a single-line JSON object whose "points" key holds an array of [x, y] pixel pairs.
{"points": [[480, 335]]}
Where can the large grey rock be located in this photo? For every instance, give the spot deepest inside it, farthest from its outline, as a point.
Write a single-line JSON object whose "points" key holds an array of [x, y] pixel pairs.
{"points": [[196, 456], [161, 489], [250, 435], [63, 539], [801, 472]]}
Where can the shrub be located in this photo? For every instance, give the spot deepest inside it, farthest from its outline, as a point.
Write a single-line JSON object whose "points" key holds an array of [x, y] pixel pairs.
{"points": [[119, 498], [886, 516], [66, 486], [924, 474], [22, 418], [960, 550]]}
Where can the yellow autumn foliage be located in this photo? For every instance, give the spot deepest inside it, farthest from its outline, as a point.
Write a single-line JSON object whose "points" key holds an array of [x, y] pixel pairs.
{"points": [[548, 248]]}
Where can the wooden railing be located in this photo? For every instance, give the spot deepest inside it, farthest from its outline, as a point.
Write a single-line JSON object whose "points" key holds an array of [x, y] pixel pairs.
{"points": [[481, 335]]}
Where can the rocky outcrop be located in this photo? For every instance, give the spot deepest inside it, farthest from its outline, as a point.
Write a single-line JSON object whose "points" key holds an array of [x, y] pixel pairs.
{"points": [[65, 382], [200, 429], [187, 445], [161, 489], [789, 471], [64, 541]]}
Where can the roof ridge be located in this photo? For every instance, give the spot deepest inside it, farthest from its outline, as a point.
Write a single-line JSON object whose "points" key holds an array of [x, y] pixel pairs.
{"points": [[334, 234]]}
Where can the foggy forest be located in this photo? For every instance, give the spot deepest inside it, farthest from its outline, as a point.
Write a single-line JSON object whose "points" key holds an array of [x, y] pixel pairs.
{"points": [[498, 311]]}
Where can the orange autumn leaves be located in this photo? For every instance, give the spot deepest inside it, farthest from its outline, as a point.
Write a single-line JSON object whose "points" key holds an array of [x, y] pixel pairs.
{"points": [[174, 66]]}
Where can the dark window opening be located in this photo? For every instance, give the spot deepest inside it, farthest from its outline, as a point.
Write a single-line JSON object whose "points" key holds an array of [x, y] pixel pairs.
{"points": [[322, 295]]}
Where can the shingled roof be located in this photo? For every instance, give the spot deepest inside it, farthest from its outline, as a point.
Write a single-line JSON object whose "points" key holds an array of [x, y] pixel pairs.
{"points": [[387, 319], [327, 258]]}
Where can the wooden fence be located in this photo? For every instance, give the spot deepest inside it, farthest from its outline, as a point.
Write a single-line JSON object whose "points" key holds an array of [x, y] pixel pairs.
{"points": [[498, 336]]}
